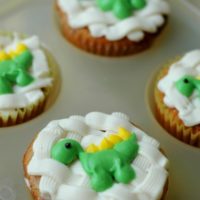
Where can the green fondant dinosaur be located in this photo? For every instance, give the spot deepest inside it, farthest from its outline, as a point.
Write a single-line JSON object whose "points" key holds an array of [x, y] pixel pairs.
{"points": [[14, 70], [103, 167], [121, 8]]}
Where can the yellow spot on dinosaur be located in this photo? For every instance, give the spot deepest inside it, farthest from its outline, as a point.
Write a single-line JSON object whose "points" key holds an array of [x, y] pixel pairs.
{"points": [[109, 141]]}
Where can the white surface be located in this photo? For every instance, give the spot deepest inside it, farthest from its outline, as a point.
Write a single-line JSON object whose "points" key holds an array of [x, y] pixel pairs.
{"points": [[94, 83], [196, 3]]}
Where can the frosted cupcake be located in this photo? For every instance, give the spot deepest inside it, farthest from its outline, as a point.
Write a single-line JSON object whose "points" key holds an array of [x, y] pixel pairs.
{"points": [[177, 96], [26, 78], [112, 28], [98, 156]]}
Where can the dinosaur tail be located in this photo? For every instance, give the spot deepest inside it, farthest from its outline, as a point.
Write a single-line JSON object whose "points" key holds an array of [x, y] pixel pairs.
{"points": [[129, 148]]}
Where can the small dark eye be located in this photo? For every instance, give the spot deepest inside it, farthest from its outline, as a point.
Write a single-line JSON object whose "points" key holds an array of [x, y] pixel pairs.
{"points": [[186, 80], [68, 145]]}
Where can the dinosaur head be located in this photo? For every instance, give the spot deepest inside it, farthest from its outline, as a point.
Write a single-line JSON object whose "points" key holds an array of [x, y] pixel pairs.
{"points": [[66, 151], [187, 84]]}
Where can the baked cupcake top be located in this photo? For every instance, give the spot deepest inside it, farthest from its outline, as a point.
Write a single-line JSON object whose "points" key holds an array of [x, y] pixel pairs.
{"points": [[24, 71], [98, 156], [116, 19], [181, 88]]}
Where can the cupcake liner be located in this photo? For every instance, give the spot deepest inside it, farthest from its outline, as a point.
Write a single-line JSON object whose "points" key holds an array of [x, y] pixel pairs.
{"points": [[20, 115], [82, 39], [169, 119], [165, 190]]}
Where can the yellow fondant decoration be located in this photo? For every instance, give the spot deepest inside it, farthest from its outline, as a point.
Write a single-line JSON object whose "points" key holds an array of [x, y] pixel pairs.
{"points": [[105, 144], [123, 133], [198, 77], [114, 138], [3, 55], [92, 148], [20, 48], [109, 141], [12, 54]]}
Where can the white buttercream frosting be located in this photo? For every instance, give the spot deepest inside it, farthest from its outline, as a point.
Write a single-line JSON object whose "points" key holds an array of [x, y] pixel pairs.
{"points": [[188, 107], [85, 13], [60, 182], [32, 93]]}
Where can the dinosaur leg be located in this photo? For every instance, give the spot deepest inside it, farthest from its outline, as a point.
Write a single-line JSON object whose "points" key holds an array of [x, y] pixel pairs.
{"points": [[101, 179], [123, 173], [5, 86], [138, 4], [105, 5], [23, 78]]}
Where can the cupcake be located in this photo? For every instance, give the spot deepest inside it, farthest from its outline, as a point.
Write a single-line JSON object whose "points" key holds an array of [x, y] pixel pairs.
{"points": [[98, 156], [177, 98], [112, 28], [26, 77]]}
